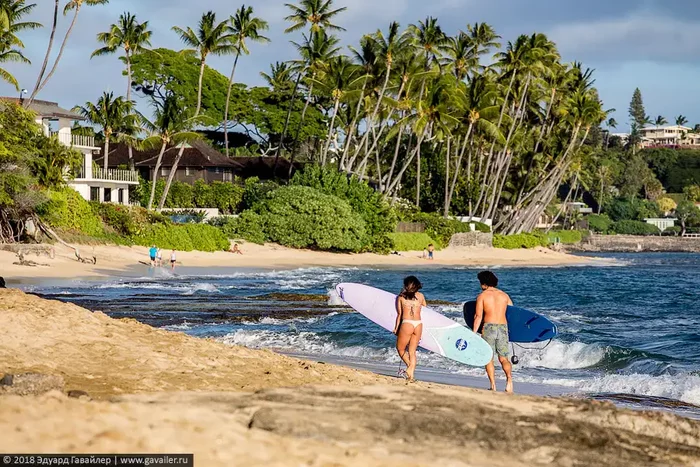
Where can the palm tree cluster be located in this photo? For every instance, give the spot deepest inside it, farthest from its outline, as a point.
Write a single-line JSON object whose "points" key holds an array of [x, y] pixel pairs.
{"points": [[12, 13], [504, 129]]}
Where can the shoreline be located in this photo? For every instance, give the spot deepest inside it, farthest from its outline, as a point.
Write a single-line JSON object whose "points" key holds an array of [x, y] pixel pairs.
{"points": [[127, 261], [151, 390]]}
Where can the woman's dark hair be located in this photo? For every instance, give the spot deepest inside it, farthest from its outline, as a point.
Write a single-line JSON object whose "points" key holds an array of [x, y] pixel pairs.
{"points": [[488, 279], [411, 285]]}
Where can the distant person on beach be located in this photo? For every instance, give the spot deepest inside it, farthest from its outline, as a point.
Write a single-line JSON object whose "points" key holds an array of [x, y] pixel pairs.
{"points": [[235, 249], [491, 307], [159, 258], [173, 260], [2, 282], [153, 252], [425, 253], [409, 327], [431, 249]]}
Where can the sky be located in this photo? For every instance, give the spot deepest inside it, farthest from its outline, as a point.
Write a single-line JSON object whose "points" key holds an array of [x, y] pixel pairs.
{"points": [[650, 44]]}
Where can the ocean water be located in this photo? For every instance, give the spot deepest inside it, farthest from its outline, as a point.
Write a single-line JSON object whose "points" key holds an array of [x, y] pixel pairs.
{"points": [[631, 329]]}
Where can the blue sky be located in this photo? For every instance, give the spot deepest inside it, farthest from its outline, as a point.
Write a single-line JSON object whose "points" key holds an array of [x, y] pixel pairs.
{"points": [[650, 44]]}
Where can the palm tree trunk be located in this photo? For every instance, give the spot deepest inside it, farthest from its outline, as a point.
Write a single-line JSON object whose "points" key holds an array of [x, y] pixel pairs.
{"points": [[418, 177], [396, 156], [330, 131], [171, 177], [286, 122], [348, 139], [128, 98], [48, 54], [228, 101], [447, 178], [199, 88], [106, 158], [413, 154], [303, 114], [459, 164], [38, 89], [155, 175]]}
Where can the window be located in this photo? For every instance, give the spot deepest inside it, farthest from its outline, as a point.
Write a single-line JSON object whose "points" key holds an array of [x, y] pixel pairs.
{"points": [[217, 170], [94, 193], [188, 171], [121, 196], [228, 177], [108, 195], [164, 172]]}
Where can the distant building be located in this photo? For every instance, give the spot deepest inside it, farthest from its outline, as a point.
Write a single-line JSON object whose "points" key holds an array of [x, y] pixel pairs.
{"points": [[200, 161], [673, 136], [662, 223], [92, 182]]}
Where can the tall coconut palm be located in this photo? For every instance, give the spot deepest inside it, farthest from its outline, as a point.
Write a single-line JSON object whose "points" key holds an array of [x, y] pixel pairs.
{"points": [[280, 76], [660, 121], [483, 38], [681, 120], [169, 127], [317, 13], [11, 14], [72, 5], [110, 114], [243, 26], [128, 35], [211, 38]]}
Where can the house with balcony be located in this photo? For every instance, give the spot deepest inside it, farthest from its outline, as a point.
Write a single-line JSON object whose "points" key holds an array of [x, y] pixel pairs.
{"points": [[92, 182], [672, 136]]}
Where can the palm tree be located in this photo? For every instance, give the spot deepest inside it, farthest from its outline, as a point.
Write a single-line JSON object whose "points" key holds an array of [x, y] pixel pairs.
{"points": [[243, 26], [11, 13], [660, 121], [128, 34], [72, 5], [483, 38], [168, 128], [210, 38], [318, 13], [112, 115], [681, 120], [611, 124], [280, 77]]}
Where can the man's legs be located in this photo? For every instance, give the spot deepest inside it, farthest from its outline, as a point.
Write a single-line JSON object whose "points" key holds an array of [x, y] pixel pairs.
{"points": [[507, 368], [491, 372]]}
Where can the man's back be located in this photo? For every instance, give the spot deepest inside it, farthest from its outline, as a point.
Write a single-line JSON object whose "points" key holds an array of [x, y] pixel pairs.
{"points": [[495, 302]]}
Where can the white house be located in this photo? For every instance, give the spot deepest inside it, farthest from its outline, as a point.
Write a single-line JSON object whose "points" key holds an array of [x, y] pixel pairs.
{"points": [[671, 135], [92, 182], [661, 223]]}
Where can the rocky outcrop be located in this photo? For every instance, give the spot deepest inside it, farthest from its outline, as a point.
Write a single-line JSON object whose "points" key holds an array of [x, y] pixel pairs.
{"points": [[468, 239]]}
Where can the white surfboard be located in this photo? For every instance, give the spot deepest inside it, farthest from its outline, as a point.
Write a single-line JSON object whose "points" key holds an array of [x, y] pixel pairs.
{"points": [[440, 334]]}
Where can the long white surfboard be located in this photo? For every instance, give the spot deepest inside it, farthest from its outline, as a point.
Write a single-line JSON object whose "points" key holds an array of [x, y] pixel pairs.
{"points": [[440, 334]]}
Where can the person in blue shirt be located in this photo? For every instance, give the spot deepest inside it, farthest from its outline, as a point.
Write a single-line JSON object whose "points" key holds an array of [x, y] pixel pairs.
{"points": [[152, 253]]}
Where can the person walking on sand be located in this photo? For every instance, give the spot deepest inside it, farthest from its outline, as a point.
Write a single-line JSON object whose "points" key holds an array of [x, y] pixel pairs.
{"points": [[152, 253], [491, 306], [409, 326], [173, 260], [431, 250], [159, 258]]}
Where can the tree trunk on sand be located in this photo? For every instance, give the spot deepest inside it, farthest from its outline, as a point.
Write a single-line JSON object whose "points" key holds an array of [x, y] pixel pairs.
{"points": [[48, 54], [38, 89], [228, 101], [155, 175]]}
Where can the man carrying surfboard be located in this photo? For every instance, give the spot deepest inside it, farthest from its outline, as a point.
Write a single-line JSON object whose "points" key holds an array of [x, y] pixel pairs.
{"points": [[491, 306]]}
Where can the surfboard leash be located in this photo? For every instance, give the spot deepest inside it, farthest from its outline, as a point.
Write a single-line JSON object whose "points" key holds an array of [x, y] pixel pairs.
{"points": [[514, 359]]}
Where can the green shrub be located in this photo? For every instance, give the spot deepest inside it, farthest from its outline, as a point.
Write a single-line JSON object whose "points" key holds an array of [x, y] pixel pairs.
{"points": [[67, 210], [248, 226], [380, 219], [186, 237], [410, 241], [255, 191], [180, 196], [524, 240], [301, 217], [481, 227], [600, 223], [118, 217], [567, 237], [672, 231], [227, 197], [441, 229], [620, 209], [628, 227]]}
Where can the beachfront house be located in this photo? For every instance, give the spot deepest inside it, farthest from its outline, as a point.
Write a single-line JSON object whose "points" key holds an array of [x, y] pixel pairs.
{"points": [[92, 182], [662, 223], [675, 136], [200, 161]]}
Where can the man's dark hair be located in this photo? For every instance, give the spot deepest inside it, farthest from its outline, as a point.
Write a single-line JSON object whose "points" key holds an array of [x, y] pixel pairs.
{"points": [[488, 279]]}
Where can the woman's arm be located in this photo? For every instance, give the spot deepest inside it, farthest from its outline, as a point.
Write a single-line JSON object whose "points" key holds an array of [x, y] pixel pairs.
{"points": [[398, 315]]}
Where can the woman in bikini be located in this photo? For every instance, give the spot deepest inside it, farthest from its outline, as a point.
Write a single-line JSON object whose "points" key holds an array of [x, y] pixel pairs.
{"points": [[409, 326]]}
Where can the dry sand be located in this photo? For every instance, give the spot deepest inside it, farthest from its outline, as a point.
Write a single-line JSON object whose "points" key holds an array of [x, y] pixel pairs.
{"points": [[113, 260], [159, 391]]}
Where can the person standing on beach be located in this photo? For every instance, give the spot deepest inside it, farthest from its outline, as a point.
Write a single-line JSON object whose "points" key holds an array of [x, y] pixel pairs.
{"points": [[159, 257], [431, 250], [152, 252], [173, 260], [409, 326], [491, 306]]}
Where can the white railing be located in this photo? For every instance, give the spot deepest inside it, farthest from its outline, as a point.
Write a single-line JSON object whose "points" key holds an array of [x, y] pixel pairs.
{"points": [[691, 235], [70, 139], [117, 175]]}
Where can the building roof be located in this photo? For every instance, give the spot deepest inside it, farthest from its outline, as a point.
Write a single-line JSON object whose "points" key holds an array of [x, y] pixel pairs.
{"points": [[196, 154], [667, 127], [47, 109]]}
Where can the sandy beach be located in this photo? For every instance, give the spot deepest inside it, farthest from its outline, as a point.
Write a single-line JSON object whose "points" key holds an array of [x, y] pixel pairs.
{"points": [[116, 260], [149, 390]]}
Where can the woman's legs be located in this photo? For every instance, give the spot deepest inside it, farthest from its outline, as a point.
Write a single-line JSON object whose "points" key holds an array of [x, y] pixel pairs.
{"points": [[402, 340], [412, 347]]}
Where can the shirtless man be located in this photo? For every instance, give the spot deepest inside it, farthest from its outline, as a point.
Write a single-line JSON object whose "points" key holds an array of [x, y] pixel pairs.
{"points": [[491, 307]]}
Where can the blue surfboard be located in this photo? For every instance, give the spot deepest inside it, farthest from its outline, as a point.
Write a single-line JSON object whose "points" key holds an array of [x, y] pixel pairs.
{"points": [[524, 326]]}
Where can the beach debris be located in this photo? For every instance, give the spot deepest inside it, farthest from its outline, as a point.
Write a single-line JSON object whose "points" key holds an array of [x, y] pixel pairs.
{"points": [[26, 384], [26, 262], [78, 394]]}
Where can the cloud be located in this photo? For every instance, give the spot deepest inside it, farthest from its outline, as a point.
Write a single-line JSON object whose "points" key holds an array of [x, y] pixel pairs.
{"points": [[638, 37]]}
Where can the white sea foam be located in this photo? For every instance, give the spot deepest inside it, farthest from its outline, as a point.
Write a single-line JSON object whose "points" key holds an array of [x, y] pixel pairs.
{"points": [[183, 288], [334, 299], [560, 355]]}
